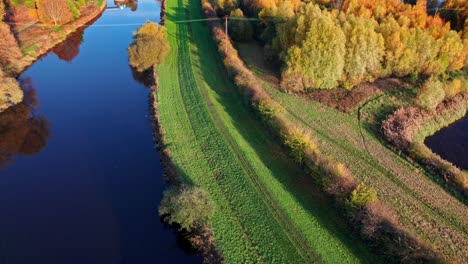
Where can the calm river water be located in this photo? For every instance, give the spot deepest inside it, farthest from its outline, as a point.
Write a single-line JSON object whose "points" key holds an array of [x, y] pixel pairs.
{"points": [[80, 179], [451, 143]]}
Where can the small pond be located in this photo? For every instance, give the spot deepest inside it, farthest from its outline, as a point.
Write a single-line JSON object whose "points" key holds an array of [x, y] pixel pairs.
{"points": [[451, 143]]}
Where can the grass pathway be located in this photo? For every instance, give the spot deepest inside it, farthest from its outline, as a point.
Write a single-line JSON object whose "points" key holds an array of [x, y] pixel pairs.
{"points": [[266, 210]]}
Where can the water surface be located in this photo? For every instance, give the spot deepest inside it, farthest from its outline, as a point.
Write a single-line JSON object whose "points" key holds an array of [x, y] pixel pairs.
{"points": [[80, 179], [451, 143]]}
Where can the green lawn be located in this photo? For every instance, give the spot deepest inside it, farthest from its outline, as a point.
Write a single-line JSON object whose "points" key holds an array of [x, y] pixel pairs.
{"points": [[266, 210], [423, 206]]}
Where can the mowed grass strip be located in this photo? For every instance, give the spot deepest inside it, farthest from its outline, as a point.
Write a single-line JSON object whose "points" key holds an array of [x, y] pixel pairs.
{"points": [[422, 205], [262, 214]]}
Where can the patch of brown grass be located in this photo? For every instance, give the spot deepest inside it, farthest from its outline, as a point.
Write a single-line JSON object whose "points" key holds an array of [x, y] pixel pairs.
{"points": [[349, 100]]}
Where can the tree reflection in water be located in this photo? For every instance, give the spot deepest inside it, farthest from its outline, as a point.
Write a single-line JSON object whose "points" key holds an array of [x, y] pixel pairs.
{"points": [[70, 48], [146, 78], [21, 131]]}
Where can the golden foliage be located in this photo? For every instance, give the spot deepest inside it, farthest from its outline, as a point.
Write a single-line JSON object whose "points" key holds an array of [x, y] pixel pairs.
{"points": [[150, 47], [10, 92]]}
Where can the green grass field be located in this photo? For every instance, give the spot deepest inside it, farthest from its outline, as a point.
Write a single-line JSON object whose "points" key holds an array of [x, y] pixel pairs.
{"points": [[423, 206], [266, 210]]}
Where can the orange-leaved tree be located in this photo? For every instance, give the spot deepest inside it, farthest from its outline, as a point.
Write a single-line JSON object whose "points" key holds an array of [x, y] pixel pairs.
{"points": [[55, 11]]}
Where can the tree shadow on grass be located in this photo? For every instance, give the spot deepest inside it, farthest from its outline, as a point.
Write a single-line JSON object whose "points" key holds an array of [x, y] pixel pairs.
{"points": [[293, 179]]}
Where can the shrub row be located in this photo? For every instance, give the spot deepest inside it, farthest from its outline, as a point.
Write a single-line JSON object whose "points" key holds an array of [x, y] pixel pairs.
{"points": [[407, 128], [375, 222]]}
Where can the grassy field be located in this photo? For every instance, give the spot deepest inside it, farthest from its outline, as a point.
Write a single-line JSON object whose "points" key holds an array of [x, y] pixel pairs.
{"points": [[266, 210], [423, 206]]}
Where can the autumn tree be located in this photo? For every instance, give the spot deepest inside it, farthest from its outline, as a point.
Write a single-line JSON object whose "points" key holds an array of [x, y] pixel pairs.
{"points": [[317, 54], [431, 94], [22, 132], [2, 11], [10, 91], [55, 11], [380, 39], [149, 47], [189, 207], [364, 50], [452, 52], [400, 47]]}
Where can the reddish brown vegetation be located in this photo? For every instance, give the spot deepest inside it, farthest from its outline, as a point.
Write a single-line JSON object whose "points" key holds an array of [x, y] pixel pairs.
{"points": [[70, 48], [10, 53], [203, 239], [349, 100], [407, 128], [55, 11]]}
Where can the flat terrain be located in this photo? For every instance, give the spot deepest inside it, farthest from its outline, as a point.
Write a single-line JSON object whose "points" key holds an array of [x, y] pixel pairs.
{"points": [[265, 209], [423, 206]]}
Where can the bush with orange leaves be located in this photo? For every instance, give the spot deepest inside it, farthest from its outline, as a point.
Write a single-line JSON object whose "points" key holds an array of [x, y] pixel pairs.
{"points": [[54, 11]]}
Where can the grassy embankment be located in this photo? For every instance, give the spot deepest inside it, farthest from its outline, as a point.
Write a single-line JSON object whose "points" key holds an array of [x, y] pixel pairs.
{"points": [[265, 209], [423, 206]]}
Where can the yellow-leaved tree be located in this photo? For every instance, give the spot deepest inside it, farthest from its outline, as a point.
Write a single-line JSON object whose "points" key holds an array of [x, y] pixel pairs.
{"points": [[318, 51], [150, 47]]}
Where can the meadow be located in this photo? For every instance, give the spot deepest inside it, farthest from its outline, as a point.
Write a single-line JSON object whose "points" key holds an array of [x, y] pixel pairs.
{"points": [[266, 209], [355, 139]]}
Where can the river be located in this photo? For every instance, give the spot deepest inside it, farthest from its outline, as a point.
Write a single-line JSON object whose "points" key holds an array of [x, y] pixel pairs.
{"points": [[451, 143], [80, 179]]}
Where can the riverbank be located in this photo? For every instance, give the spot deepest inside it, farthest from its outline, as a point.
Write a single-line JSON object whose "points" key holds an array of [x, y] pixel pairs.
{"points": [[266, 209], [37, 45]]}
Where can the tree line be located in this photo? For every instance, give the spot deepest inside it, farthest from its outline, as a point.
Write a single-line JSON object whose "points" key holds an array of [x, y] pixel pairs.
{"points": [[56, 12], [329, 44]]}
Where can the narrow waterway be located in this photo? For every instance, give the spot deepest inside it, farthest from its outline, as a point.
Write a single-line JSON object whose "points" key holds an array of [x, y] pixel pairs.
{"points": [[451, 143], [80, 179]]}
